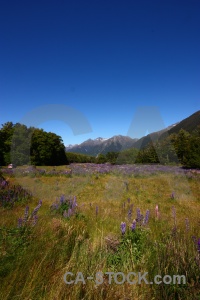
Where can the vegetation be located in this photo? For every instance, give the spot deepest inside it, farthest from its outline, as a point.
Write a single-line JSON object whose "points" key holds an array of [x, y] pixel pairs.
{"points": [[99, 220], [21, 145]]}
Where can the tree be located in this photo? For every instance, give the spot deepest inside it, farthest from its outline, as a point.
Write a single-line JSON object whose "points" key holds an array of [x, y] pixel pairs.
{"points": [[21, 144], [47, 148], [181, 144], [6, 133], [192, 155]]}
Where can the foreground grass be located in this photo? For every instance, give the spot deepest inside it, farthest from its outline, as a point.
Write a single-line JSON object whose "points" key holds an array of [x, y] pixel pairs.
{"points": [[35, 259]]}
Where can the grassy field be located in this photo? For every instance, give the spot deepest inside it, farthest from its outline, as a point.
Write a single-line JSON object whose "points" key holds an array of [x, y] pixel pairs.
{"points": [[39, 244]]}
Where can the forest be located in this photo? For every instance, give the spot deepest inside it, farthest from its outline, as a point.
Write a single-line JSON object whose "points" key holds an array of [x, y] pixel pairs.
{"points": [[22, 145]]}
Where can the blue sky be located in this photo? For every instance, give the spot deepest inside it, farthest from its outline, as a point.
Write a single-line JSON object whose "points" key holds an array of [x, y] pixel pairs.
{"points": [[102, 59]]}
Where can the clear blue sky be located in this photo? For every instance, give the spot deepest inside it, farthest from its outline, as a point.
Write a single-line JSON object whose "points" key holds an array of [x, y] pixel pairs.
{"points": [[101, 58]]}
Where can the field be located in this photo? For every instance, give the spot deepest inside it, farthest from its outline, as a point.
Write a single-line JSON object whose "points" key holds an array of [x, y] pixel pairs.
{"points": [[91, 218]]}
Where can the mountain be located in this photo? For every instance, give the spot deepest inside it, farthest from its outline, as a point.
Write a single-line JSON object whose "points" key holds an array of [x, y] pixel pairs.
{"points": [[100, 145], [152, 137], [118, 143], [189, 124]]}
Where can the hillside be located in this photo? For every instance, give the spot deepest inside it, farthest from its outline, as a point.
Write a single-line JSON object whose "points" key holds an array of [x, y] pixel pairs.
{"points": [[189, 124], [154, 136], [119, 143], [103, 146]]}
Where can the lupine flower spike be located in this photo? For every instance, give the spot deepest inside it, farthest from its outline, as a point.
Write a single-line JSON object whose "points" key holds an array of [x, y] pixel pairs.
{"points": [[130, 214], [146, 219], [133, 226], [123, 227], [157, 211]]}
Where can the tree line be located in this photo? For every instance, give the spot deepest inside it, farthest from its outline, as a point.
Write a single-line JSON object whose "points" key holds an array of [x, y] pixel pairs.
{"points": [[22, 145]]}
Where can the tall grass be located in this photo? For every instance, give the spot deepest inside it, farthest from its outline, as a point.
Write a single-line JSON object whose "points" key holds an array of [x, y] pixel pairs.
{"points": [[35, 257]]}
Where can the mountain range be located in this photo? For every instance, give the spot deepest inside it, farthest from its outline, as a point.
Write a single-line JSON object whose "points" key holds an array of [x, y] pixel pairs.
{"points": [[119, 142]]}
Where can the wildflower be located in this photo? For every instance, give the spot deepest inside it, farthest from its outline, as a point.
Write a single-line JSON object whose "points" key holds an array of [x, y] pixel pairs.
{"points": [[129, 213], [36, 209], [128, 200], [123, 227], [4, 183], [197, 243], [146, 219], [20, 222], [69, 213], [138, 214], [157, 211], [172, 196], [62, 199], [133, 226], [35, 218], [26, 214]]}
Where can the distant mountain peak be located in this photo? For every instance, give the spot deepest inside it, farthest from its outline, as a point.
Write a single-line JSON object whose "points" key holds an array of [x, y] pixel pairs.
{"points": [[103, 145], [119, 142]]}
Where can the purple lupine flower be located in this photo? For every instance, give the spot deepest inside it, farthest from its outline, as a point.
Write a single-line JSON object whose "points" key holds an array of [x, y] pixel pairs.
{"points": [[20, 222], [187, 224], [130, 214], [123, 227], [138, 215], [62, 199], [133, 226], [36, 209], [146, 219], [198, 245], [172, 196], [69, 213], [128, 200], [4, 183], [35, 218], [26, 214]]}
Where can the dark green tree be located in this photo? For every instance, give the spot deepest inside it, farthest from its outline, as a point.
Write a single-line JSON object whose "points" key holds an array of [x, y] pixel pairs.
{"points": [[6, 133], [47, 148]]}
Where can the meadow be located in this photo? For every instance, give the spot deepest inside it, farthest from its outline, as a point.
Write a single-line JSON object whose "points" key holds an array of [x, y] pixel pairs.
{"points": [[92, 218]]}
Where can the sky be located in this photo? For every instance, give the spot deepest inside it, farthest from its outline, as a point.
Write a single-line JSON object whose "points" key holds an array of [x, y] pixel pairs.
{"points": [[88, 69]]}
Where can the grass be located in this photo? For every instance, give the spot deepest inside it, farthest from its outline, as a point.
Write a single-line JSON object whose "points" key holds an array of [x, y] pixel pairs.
{"points": [[34, 259]]}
